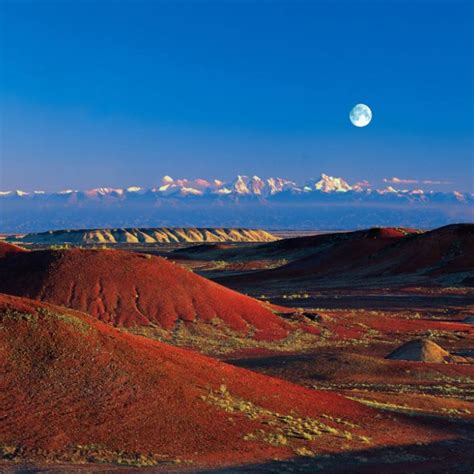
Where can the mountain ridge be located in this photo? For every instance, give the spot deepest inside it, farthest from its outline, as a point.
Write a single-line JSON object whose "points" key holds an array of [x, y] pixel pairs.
{"points": [[147, 235], [271, 203], [242, 185]]}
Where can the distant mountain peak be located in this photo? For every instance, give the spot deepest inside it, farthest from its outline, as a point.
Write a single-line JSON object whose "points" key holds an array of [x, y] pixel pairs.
{"points": [[242, 186], [249, 201], [134, 189], [328, 184]]}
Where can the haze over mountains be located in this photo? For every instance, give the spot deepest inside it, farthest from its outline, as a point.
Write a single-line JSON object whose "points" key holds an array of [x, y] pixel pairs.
{"points": [[327, 202]]}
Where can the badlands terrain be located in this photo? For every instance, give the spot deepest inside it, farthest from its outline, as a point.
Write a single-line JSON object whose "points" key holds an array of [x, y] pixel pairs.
{"points": [[339, 352]]}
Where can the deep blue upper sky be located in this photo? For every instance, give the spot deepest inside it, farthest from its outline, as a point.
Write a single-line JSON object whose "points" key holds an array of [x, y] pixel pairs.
{"points": [[119, 93]]}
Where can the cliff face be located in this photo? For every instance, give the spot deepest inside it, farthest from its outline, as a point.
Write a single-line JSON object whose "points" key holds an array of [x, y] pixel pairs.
{"points": [[149, 235]]}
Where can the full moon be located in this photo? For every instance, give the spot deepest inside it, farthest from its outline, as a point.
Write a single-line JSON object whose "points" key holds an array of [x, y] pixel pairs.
{"points": [[360, 115]]}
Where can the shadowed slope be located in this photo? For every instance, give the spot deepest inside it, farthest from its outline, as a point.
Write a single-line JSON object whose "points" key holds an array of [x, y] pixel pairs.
{"points": [[202, 250], [377, 253], [73, 388], [291, 248], [438, 252], [323, 254], [129, 289]]}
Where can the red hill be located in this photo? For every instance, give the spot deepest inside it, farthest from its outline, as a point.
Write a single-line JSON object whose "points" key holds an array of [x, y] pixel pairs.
{"points": [[6, 248], [439, 252], [310, 245], [296, 248], [324, 254], [379, 255], [73, 389], [129, 289]]}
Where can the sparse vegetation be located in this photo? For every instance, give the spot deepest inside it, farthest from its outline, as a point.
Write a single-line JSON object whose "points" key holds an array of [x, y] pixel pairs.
{"points": [[295, 296], [10, 453], [74, 321], [59, 247], [282, 429], [18, 315], [101, 454], [91, 453], [215, 338]]}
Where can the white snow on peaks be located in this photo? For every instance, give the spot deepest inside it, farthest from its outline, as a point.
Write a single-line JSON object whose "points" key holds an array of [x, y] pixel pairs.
{"points": [[279, 184], [329, 184], [240, 185], [132, 189], [248, 186]]}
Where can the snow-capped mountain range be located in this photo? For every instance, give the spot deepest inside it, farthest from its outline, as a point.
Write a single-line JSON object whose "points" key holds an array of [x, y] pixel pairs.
{"points": [[243, 186], [271, 203]]}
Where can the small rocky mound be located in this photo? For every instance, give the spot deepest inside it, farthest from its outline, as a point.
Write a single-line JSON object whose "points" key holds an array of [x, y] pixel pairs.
{"points": [[422, 350]]}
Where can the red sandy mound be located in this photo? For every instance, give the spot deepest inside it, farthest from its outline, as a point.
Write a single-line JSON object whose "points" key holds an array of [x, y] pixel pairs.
{"points": [[9, 248], [73, 388], [129, 289]]}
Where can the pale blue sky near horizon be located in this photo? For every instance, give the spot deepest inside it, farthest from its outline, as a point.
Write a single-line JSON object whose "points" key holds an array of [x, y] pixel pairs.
{"points": [[117, 93]]}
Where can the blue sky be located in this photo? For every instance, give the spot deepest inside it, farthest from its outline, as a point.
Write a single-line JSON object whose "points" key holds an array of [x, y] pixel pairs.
{"points": [[118, 93]]}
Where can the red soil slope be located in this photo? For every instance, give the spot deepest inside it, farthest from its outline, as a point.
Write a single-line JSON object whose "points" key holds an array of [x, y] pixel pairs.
{"points": [[314, 244], [381, 253], [289, 249], [129, 289], [439, 252], [323, 254], [75, 389], [6, 248]]}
